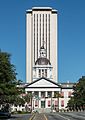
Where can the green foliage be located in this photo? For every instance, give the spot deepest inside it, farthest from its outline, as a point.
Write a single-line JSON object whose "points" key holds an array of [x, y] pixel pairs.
{"points": [[28, 97], [9, 92], [7, 70], [57, 95], [78, 99]]}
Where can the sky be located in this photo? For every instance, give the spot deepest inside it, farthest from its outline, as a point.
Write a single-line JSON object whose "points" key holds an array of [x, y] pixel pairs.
{"points": [[71, 35]]}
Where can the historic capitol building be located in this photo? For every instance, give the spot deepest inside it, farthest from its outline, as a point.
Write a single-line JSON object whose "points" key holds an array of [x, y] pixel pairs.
{"points": [[42, 62]]}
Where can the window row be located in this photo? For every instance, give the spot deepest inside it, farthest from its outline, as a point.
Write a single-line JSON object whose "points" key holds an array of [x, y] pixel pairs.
{"points": [[42, 73], [49, 94], [49, 102]]}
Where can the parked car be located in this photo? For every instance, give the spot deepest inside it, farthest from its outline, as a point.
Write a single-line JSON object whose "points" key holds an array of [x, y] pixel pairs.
{"points": [[5, 114]]}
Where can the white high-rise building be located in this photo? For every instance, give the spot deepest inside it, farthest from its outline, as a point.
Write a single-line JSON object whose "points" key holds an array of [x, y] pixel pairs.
{"points": [[41, 62], [41, 44]]}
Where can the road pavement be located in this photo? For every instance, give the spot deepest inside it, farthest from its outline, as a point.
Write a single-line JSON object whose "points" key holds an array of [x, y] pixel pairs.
{"points": [[39, 116], [66, 116], [50, 116]]}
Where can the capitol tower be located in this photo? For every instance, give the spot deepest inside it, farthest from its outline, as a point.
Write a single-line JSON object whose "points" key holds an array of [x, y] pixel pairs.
{"points": [[41, 44]]}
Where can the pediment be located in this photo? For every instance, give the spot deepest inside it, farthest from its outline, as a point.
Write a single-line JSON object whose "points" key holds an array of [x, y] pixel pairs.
{"points": [[43, 82]]}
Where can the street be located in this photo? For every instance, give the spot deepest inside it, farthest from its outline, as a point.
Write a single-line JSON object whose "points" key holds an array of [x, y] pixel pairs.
{"points": [[50, 116], [66, 116]]}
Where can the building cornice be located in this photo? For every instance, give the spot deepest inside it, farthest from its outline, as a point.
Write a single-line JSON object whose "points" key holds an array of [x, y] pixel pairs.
{"points": [[54, 11]]}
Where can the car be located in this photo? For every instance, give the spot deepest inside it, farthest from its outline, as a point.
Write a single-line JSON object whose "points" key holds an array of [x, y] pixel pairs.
{"points": [[5, 114]]}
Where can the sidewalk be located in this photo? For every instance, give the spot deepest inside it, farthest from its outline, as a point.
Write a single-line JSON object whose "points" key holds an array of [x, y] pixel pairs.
{"points": [[39, 116]]}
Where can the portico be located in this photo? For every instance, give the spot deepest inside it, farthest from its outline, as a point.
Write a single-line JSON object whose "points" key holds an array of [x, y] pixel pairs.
{"points": [[43, 95]]}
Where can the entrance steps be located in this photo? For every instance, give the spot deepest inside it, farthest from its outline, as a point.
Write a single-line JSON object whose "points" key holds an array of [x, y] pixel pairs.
{"points": [[43, 110]]}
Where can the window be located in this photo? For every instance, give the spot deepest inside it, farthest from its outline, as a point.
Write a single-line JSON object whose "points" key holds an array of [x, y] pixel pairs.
{"points": [[34, 37], [15, 105], [37, 36], [49, 36], [62, 103], [56, 103], [43, 29], [69, 94], [40, 30], [43, 94], [45, 72], [49, 94], [36, 103], [39, 73], [42, 73], [19, 105], [42, 104], [36, 93], [49, 103], [22, 105], [46, 35]]}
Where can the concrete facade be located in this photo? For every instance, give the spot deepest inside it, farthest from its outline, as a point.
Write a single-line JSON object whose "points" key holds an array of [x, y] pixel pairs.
{"points": [[48, 96], [41, 30], [42, 62]]}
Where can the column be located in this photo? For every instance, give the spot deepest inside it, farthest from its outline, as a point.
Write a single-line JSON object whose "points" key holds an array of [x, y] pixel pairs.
{"points": [[39, 99], [46, 94], [52, 94]]}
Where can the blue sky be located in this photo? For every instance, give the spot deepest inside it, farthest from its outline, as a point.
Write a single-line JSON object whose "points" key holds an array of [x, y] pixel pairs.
{"points": [[71, 35]]}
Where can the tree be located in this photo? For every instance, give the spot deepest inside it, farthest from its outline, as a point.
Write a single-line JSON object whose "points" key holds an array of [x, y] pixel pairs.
{"points": [[71, 104], [28, 99], [78, 99], [57, 95], [9, 92]]}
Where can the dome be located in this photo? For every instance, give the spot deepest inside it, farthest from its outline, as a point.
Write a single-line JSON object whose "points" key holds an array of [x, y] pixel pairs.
{"points": [[42, 61]]}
